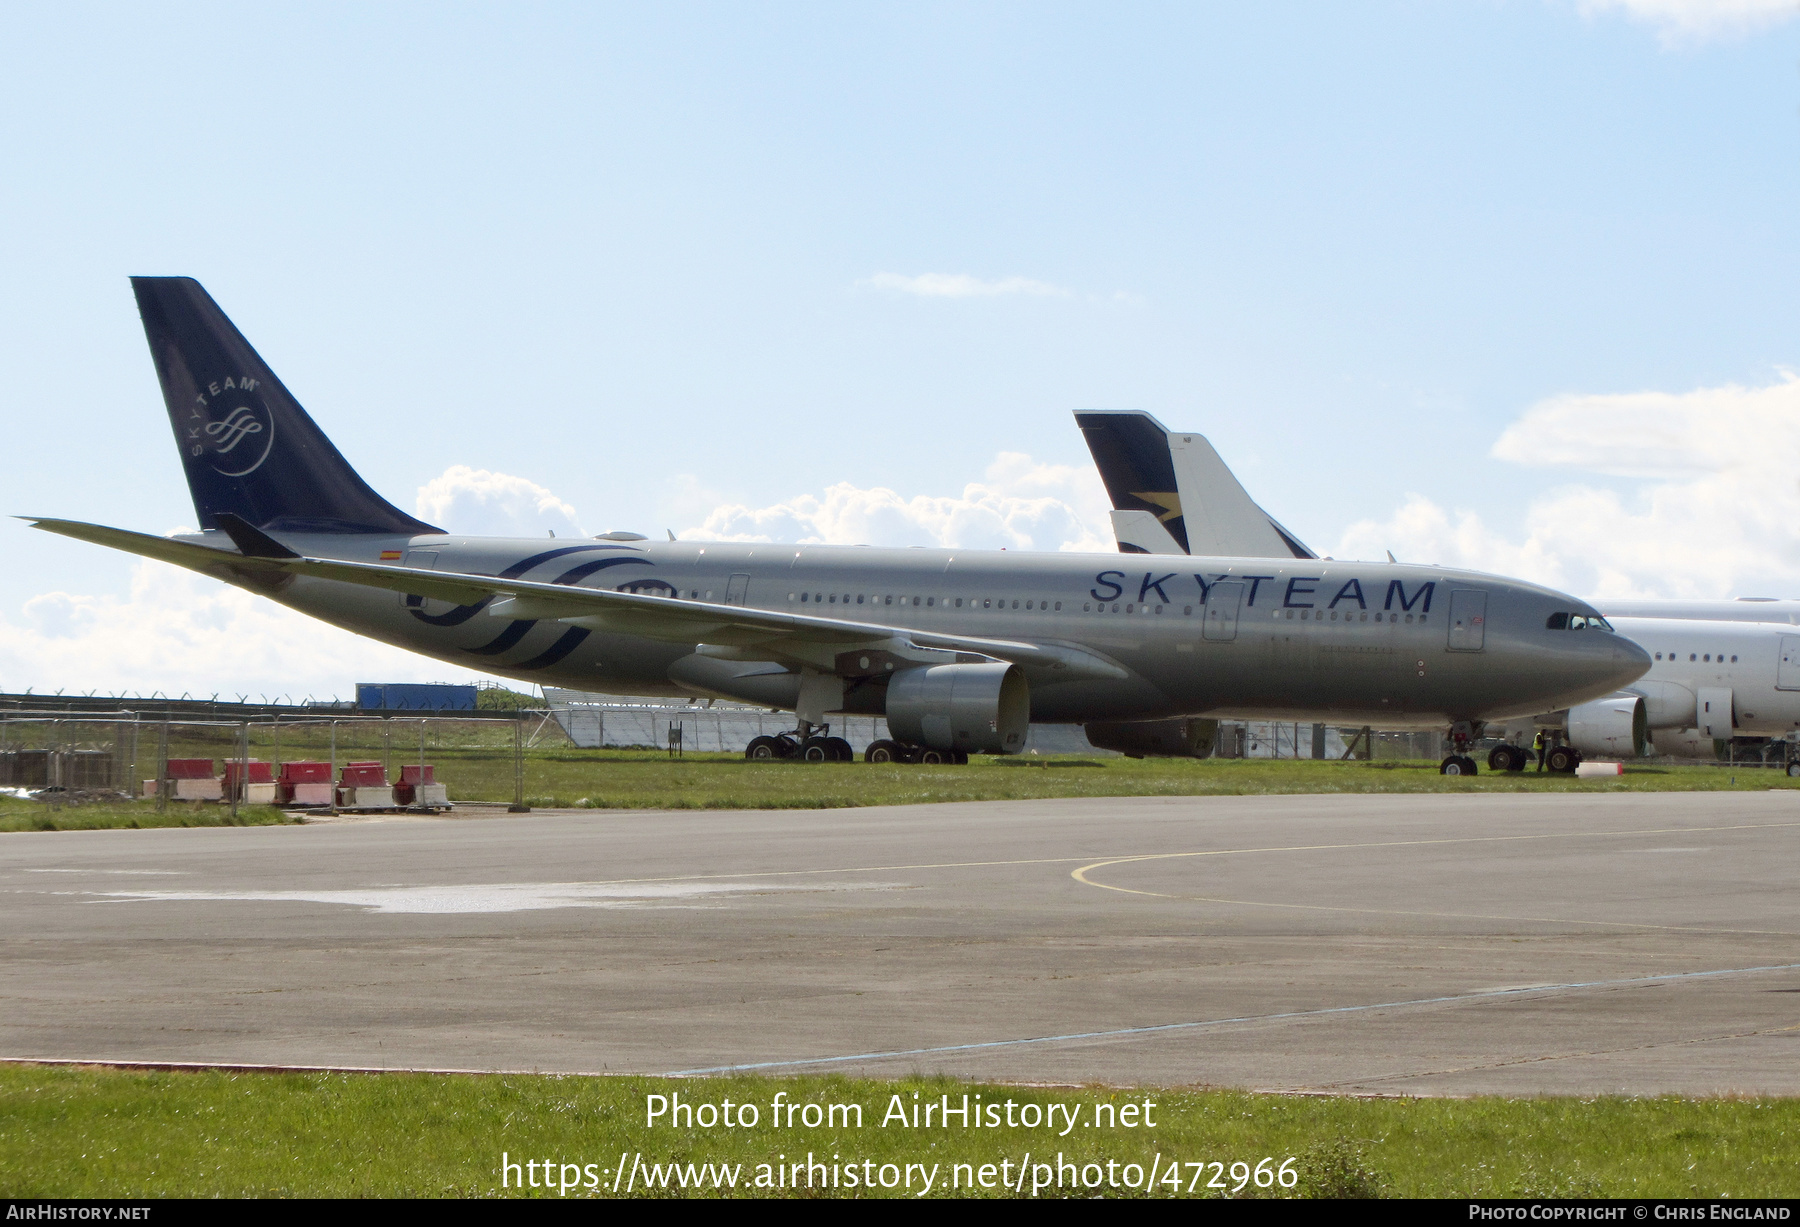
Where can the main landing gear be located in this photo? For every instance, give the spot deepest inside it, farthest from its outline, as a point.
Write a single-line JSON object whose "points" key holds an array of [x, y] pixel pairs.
{"points": [[814, 748], [1508, 757], [1559, 759], [885, 751], [813, 744]]}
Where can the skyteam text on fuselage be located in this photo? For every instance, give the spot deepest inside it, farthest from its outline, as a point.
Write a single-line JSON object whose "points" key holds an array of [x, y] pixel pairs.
{"points": [[958, 649]]}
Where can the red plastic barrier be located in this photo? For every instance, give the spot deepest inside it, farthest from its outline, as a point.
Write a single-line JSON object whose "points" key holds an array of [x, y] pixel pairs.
{"points": [[305, 773], [259, 772], [409, 776], [362, 775], [190, 768]]}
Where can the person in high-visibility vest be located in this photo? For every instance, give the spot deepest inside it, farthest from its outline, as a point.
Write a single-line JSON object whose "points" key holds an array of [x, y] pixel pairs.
{"points": [[1541, 744]]}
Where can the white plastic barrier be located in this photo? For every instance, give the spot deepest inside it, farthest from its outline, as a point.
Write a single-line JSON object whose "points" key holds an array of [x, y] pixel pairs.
{"points": [[1588, 771]]}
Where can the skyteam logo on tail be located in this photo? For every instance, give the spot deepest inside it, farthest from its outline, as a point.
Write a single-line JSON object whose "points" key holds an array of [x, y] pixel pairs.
{"points": [[230, 427]]}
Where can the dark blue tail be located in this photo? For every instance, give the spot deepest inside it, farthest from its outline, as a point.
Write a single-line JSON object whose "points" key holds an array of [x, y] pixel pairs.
{"points": [[1131, 451], [248, 447]]}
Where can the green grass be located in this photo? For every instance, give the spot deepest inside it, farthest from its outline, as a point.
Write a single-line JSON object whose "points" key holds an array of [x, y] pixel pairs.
{"points": [[616, 779], [17, 815], [626, 779], [104, 1133]]}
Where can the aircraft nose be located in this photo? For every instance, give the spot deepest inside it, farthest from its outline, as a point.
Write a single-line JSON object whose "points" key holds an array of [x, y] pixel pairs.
{"points": [[1630, 660]]}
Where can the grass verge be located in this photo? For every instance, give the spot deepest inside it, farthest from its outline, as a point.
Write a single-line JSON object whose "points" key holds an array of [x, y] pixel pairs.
{"points": [[20, 815], [626, 779], [86, 1132], [637, 780]]}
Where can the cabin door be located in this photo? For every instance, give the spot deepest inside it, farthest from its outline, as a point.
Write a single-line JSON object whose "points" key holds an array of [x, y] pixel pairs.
{"points": [[1468, 620], [1221, 610]]}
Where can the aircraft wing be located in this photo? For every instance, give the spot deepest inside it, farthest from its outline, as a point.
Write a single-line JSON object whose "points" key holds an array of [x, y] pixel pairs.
{"points": [[656, 617]]}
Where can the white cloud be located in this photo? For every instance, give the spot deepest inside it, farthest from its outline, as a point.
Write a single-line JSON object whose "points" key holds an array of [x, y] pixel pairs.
{"points": [[475, 501], [961, 285], [1685, 21], [178, 632], [1019, 505], [1715, 510]]}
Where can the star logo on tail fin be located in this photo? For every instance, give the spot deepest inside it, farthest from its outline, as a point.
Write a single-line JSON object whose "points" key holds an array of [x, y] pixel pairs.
{"points": [[1170, 501]]}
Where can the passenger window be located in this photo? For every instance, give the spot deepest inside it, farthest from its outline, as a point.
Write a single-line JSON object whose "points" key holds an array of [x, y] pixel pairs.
{"points": [[1690, 657], [1734, 660], [1187, 611], [1058, 607], [959, 602], [803, 597]]}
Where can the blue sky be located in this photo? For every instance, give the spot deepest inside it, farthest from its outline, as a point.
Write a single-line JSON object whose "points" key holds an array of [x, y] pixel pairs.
{"points": [[816, 271]]}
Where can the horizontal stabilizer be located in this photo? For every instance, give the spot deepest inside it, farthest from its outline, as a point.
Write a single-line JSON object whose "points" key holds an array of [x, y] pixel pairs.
{"points": [[1138, 532], [251, 542]]}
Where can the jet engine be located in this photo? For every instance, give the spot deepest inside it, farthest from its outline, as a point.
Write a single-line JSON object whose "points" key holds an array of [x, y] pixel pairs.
{"points": [[1185, 738], [1613, 726], [978, 709]]}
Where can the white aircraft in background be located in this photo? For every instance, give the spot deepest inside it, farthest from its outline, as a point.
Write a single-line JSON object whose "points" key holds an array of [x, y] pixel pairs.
{"points": [[1719, 669]]}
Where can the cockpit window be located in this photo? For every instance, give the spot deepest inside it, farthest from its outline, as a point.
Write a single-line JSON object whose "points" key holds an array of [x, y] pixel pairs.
{"points": [[1576, 622]]}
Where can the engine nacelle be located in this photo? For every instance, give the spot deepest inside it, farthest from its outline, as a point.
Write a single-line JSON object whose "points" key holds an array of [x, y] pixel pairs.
{"points": [[1185, 738], [978, 709], [1613, 726]]}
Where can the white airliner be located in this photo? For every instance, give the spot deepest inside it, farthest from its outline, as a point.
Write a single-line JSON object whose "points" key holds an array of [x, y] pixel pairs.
{"points": [[1719, 669], [959, 649]]}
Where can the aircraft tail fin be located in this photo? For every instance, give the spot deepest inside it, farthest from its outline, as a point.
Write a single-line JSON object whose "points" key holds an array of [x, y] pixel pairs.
{"points": [[250, 451], [1132, 453], [1182, 482]]}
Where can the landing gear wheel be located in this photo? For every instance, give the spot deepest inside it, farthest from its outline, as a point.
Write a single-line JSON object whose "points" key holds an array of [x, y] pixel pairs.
{"points": [[1506, 758], [935, 758], [1457, 764], [884, 751], [763, 749], [1793, 768], [1562, 760], [817, 750], [840, 750]]}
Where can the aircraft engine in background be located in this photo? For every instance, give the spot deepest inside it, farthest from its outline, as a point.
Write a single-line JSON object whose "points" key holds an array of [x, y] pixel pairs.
{"points": [[1185, 738], [978, 709], [1615, 727]]}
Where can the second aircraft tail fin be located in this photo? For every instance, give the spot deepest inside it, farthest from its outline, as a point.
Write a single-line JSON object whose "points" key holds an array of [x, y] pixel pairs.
{"points": [[1181, 481]]}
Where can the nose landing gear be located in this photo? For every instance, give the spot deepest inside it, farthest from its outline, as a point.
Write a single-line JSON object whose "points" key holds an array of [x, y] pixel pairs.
{"points": [[1459, 763]]}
